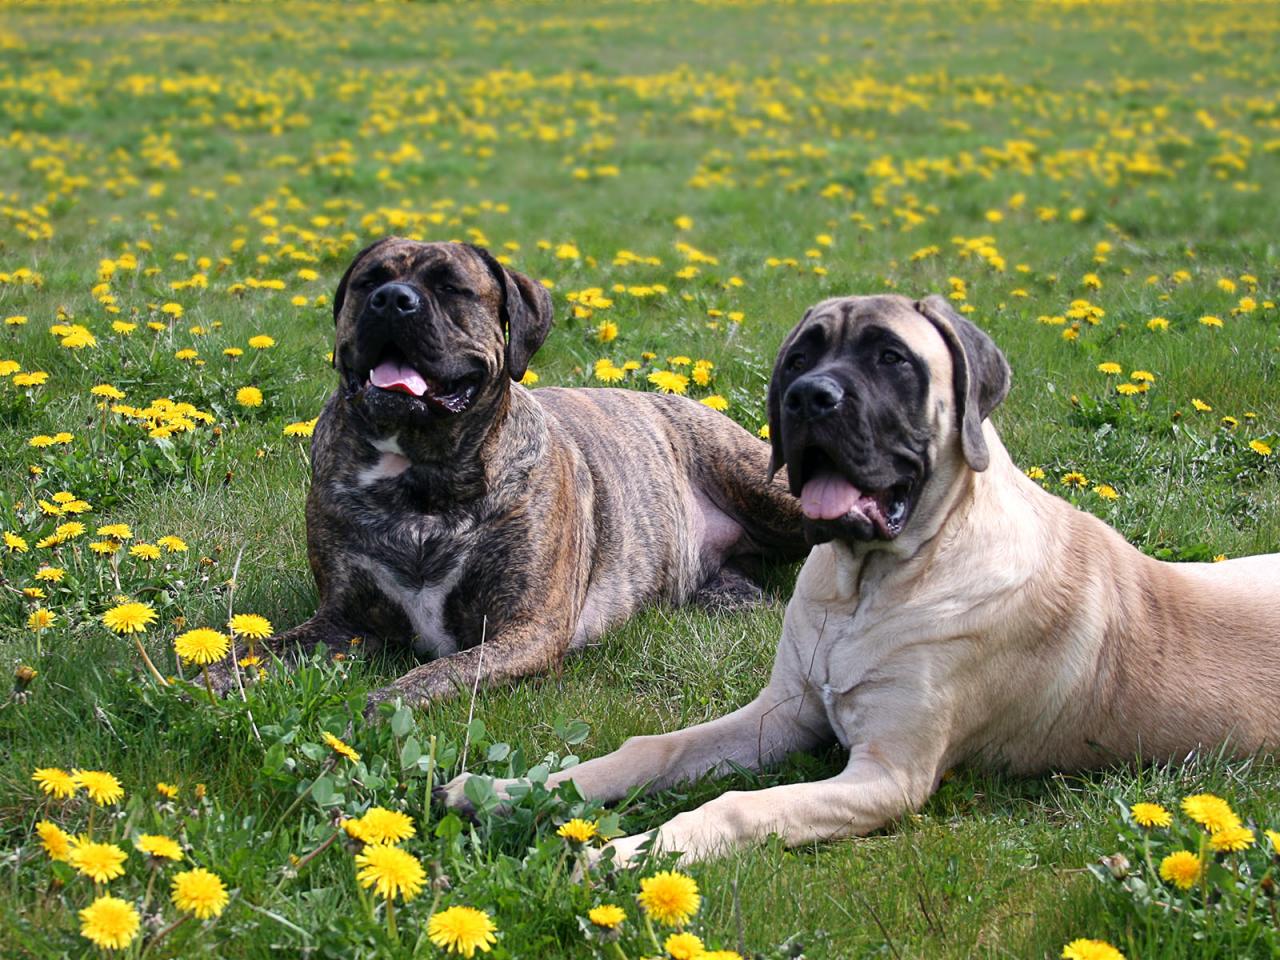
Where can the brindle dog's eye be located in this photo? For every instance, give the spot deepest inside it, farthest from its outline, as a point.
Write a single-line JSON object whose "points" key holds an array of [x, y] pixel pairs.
{"points": [[891, 358], [796, 361], [449, 288]]}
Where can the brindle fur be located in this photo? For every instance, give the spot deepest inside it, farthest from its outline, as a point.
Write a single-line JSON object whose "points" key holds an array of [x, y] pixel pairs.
{"points": [[534, 519]]}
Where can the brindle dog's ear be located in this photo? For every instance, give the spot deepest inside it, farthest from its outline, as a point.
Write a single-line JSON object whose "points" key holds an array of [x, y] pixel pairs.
{"points": [[980, 371], [774, 403], [340, 297], [526, 313]]}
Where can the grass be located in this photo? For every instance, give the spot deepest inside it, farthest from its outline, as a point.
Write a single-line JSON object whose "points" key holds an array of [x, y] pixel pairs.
{"points": [[1020, 157]]}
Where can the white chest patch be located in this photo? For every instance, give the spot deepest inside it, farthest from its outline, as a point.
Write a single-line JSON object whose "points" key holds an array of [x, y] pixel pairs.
{"points": [[389, 465], [423, 606]]}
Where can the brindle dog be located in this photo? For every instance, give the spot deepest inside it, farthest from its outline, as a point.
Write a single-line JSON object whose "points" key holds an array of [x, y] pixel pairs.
{"points": [[493, 528]]}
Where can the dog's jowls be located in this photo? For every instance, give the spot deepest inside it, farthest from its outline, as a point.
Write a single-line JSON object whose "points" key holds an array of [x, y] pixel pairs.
{"points": [[490, 528], [954, 612]]}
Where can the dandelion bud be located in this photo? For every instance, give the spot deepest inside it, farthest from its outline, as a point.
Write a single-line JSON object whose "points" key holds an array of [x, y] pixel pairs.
{"points": [[439, 879], [23, 676], [1117, 864]]}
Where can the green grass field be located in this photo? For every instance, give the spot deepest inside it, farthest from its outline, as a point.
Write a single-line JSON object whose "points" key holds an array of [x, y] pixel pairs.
{"points": [[1094, 183]]}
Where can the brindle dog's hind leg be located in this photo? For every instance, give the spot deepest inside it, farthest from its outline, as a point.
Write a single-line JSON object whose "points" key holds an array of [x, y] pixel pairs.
{"points": [[728, 590]]}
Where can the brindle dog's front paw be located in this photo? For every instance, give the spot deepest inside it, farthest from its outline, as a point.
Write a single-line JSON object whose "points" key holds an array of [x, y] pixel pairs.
{"points": [[222, 678]]}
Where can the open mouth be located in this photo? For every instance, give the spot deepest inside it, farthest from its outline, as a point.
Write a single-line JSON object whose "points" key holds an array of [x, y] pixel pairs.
{"points": [[827, 495], [394, 374]]}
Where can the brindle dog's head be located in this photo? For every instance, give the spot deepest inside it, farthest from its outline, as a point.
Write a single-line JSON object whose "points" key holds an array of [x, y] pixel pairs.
{"points": [[430, 335], [871, 396]]}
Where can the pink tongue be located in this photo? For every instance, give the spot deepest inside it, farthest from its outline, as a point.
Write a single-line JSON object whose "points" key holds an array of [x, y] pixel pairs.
{"points": [[828, 496], [389, 375]]}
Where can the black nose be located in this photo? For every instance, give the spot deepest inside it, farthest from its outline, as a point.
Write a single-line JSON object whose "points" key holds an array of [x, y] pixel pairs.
{"points": [[395, 300], [813, 396]]}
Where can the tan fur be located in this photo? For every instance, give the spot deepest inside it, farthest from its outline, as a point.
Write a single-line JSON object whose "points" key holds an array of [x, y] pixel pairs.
{"points": [[1002, 628]]}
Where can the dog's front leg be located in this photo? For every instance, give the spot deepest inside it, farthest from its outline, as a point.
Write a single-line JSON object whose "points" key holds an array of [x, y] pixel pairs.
{"points": [[874, 789], [523, 648], [778, 722], [322, 630]]}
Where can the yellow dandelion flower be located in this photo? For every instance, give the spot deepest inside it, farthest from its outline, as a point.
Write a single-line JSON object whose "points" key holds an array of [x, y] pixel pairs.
{"points": [[1260, 448], [173, 544], [684, 946], [100, 862], [57, 843], [50, 574], [391, 871], [1074, 479], [715, 402], [462, 930], [1091, 950], [1200, 405], [1183, 869], [199, 892], [145, 551], [202, 645], [1211, 812], [1143, 376], [340, 748], [607, 331], [40, 619], [380, 825], [159, 846], [668, 381], [249, 397], [110, 923], [1274, 837], [105, 547], [1106, 491], [167, 790], [1128, 389], [670, 897], [1211, 321], [15, 543], [102, 787], [129, 618], [1158, 323], [302, 428], [250, 625], [606, 372], [116, 531], [1151, 815], [607, 916], [70, 530], [233, 352], [529, 379], [1232, 839], [578, 830], [55, 782], [262, 342]]}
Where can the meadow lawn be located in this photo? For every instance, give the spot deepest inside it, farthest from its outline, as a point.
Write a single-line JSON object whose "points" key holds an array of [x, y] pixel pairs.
{"points": [[182, 185]]}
